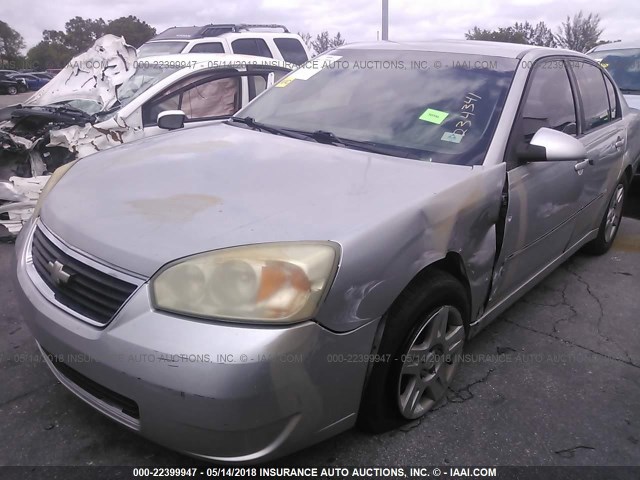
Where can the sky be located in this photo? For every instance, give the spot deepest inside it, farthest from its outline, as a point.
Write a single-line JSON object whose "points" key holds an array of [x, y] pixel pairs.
{"points": [[356, 20]]}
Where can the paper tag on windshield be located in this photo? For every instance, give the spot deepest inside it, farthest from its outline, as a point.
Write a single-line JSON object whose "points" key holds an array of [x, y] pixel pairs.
{"points": [[432, 115], [284, 82], [451, 137], [309, 69]]}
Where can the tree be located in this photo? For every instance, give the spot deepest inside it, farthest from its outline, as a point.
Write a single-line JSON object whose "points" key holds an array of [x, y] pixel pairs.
{"points": [[306, 38], [49, 55], [11, 42], [524, 33], [502, 34], [540, 35], [324, 42], [79, 34], [135, 31], [580, 33]]}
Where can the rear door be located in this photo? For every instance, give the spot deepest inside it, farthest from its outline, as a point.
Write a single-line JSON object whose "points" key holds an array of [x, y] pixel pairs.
{"points": [[604, 136], [542, 198]]}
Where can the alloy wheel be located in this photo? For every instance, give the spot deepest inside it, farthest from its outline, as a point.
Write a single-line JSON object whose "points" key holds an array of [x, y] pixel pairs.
{"points": [[614, 213], [430, 362]]}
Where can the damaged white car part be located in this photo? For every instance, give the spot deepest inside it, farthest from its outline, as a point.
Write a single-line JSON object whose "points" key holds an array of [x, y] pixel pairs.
{"points": [[106, 97]]}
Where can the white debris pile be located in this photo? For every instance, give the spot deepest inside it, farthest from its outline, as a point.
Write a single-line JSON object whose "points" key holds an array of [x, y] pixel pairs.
{"points": [[22, 195]]}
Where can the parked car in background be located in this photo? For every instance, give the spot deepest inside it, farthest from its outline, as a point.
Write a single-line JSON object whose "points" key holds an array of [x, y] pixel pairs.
{"points": [[242, 39], [622, 61], [72, 117], [11, 86], [45, 75], [32, 81], [247, 289]]}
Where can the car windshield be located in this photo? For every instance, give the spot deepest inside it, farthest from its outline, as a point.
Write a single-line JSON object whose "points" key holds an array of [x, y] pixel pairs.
{"points": [[160, 48], [87, 105], [623, 65], [145, 77], [437, 107]]}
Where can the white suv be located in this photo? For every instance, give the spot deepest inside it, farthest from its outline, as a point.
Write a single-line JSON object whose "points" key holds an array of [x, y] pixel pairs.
{"points": [[243, 39]]}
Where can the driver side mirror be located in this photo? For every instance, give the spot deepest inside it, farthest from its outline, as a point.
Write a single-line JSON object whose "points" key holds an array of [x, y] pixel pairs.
{"points": [[171, 119], [552, 146]]}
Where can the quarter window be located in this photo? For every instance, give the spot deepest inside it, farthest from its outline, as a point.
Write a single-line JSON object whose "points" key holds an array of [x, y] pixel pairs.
{"points": [[210, 47], [593, 92], [549, 101], [251, 46], [613, 100], [292, 50]]}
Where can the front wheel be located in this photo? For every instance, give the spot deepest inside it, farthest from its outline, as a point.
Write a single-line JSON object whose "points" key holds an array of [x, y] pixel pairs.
{"points": [[610, 222], [12, 90], [423, 337]]}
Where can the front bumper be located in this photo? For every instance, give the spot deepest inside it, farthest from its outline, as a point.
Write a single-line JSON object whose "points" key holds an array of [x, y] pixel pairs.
{"points": [[223, 392]]}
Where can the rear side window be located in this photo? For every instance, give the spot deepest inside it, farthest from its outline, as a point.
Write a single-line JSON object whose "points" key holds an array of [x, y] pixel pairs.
{"points": [[251, 46], [613, 99], [549, 101], [292, 50], [593, 91], [211, 47]]}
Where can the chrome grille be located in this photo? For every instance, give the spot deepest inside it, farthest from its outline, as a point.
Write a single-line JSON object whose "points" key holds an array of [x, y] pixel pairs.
{"points": [[88, 291]]}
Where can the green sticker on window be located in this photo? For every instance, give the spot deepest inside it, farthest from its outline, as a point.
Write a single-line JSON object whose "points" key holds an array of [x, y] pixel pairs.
{"points": [[433, 116]]}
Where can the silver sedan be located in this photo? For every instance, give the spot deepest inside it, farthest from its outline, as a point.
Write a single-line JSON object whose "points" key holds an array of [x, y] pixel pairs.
{"points": [[240, 291]]}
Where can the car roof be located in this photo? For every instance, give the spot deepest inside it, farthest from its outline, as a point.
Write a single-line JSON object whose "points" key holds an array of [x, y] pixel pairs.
{"points": [[228, 35], [615, 46], [470, 47], [213, 30], [221, 59]]}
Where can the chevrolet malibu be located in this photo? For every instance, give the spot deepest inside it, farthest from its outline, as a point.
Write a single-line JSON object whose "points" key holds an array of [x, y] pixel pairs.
{"points": [[240, 291]]}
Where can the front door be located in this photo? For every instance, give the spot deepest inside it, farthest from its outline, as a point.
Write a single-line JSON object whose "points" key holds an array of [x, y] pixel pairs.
{"points": [[543, 198]]}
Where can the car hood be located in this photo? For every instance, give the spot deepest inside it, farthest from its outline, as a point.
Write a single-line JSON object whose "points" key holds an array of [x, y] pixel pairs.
{"points": [[147, 203], [92, 75]]}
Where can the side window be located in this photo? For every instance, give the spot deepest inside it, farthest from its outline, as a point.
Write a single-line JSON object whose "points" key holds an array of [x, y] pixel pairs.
{"points": [[613, 99], [199, 99], [549, 101], [210, 47], [251, 46], [292, 50], [212, 99], [593, 92]]}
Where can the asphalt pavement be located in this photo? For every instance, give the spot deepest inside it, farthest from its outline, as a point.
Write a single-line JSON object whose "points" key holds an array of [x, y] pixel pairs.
{"points": [[7, 100], [554, 381]]}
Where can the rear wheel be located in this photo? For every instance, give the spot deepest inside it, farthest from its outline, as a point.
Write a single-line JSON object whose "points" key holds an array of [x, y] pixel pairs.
{"points": [[11, 90], [610, 223], [423, 338]]}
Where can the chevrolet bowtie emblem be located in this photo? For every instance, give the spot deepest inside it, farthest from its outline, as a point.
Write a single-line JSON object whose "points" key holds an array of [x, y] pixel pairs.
{"points": [[58, 275]]}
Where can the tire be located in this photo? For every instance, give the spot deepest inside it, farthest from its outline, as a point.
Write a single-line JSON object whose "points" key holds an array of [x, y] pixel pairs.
{"points": [[406, 386], [11, 90], [610, 223], [22, 88]]}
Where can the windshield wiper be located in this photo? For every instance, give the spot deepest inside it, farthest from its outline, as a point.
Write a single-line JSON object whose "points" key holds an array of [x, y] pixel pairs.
{"points": [[251, 123], [62, 109], [330, 138]]}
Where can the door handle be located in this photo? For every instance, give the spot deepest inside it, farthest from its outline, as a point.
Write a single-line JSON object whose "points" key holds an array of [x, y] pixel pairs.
{"points": [[582, 165], [619, 143]]}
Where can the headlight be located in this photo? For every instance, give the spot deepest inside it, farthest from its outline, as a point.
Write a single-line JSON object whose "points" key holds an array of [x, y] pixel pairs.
{"points": [[272, 282], [53, 180]]}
